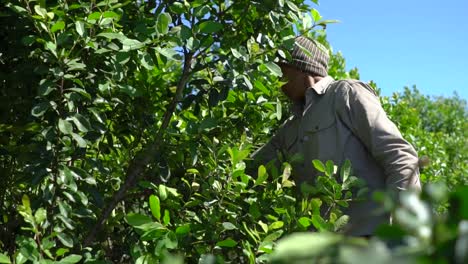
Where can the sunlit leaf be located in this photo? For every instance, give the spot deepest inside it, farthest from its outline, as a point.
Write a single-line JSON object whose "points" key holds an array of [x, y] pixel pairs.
{"points": [[65, 126], [162, 24], [229, 226], [4, 259], [65, 239], [71, 259], [303, 245], [262, 175], [226, 243], [59, 25], [274, 68], [155, 206], [319, 165]]}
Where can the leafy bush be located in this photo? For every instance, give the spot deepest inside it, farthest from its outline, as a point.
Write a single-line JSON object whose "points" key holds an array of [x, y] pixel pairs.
{"points": [[438, 129], [125, 128]]}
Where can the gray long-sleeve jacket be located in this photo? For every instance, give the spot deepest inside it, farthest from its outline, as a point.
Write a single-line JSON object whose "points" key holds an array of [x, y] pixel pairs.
{"points": [[344, 120]]}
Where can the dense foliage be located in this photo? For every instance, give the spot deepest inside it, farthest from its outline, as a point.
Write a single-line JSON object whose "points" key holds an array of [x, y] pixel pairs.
{"points": [[125, 128]]}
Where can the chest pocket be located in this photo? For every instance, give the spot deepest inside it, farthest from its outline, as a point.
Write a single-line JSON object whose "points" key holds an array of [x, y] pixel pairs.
{"points": [[319, 116], [318, 121], [319, 133]]}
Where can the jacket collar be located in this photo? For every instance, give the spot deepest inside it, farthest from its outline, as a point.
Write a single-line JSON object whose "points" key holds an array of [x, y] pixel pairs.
{"points": [[312, 92], [321, 86]]}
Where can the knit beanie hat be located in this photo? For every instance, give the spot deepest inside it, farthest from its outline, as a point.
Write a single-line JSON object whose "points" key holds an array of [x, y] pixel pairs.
{"points": [[308, 57]]}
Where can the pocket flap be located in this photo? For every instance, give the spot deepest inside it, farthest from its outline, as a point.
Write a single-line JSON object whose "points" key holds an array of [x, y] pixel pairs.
{"points": [[314, 124]]}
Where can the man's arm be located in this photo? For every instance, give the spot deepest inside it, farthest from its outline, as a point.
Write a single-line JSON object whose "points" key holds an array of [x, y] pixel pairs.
{"points": [[360, 109]]}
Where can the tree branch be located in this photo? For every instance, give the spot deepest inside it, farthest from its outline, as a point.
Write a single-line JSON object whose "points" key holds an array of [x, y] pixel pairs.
{"points": [[144, 157]]}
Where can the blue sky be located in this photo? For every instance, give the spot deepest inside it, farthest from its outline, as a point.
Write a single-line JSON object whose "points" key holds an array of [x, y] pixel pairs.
{"points": [[401, 43]]}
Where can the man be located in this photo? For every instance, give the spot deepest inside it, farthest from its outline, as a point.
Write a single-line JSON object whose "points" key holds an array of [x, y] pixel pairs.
{"points": [[339, 120]]}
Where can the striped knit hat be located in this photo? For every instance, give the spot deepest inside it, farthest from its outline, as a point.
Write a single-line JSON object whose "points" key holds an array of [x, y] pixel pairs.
{"points": [[308, 57]]}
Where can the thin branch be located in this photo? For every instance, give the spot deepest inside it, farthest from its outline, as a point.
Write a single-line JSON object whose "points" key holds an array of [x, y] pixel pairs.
{"points": [[144, 157]]}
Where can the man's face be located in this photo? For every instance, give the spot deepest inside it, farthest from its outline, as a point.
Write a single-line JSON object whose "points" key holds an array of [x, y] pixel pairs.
{"points": [[295, 86]]}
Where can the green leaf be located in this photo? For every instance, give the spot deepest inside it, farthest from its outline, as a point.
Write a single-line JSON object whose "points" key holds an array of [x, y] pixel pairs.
{"points": [[46, 87], [162, 23], [279, 111], [79, 140], [345, 170], [341, 222], [201, 11], [227, 243], [40, 109], [80, 91], [162, 191], [182, 230], [111, 14], [66, 221], [65, 239], [236, 53], [75, 65], [262, 175], [146, 61], [274, 68], [207, 124], [83, 198], [229, 226], [40, 215], [80, 28], [111, 35], [155, 206], [71, 259], [62, 251], [131, 44], [166, 217], [292, 6], [263, 226], [276, 225], [51, 47], [247, 82], [238, 155], [40, 11], [319, 165], [58, 26], [259, 85], [209, 27], [81, 122], [315, 15], [286, 173], [170, 240], [17, 9], [129, 90], [65, 127], [304, 222], [69, 197], [177, 8], [330, 169], [319, 223], [93, 17], [273, 236], [4, 259], [168, 53], [26, 203], [328, 21], [136, 220], [303, 246]]}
